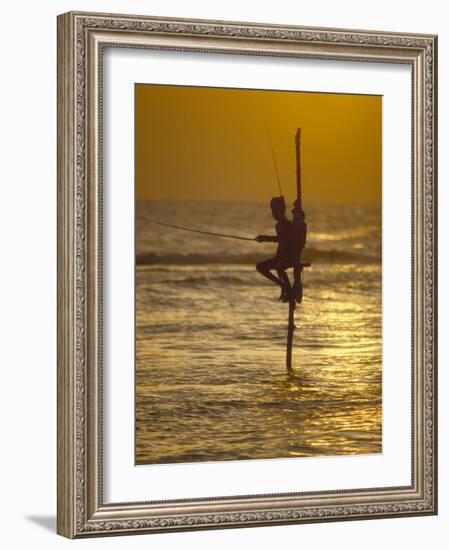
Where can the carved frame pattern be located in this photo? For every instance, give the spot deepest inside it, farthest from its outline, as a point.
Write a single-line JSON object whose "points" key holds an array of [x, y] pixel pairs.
{"points": [[81, 37]]}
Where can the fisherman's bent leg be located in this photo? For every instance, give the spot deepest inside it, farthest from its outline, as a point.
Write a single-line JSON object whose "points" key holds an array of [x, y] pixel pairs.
{"points": [[282, 274], [297, 287], [264, 269]]}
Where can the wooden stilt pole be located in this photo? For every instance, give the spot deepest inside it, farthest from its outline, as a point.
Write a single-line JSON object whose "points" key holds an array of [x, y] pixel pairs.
{"points": [[299, 229], [291, 329]]}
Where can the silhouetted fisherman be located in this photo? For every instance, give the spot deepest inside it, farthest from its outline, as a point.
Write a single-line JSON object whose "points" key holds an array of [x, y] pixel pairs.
{"points": [[288, 253]]}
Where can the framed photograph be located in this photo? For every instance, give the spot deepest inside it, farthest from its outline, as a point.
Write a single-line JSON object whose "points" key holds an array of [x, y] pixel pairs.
{"points": [[246, 274]]}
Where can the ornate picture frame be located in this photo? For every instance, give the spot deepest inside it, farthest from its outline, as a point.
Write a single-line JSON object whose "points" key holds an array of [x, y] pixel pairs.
{"points": [[82, 39]]}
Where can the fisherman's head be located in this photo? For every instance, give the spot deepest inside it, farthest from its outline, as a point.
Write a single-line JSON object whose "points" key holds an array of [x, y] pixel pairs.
{"points": [[278, 207]]}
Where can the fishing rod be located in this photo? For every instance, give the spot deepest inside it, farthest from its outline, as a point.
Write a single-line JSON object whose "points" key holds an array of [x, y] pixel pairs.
{"points": [[224, 235], [274, 159]]}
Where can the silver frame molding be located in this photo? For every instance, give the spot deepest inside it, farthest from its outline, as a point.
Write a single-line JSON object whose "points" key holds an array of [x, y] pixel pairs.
{"points": [[81, 39]]}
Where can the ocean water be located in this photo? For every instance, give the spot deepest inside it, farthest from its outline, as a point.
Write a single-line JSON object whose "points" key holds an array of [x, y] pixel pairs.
{"points": [[211, 381]]}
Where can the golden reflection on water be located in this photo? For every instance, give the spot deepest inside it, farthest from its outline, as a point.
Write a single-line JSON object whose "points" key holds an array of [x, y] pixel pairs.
{"points": [[211, 381]]}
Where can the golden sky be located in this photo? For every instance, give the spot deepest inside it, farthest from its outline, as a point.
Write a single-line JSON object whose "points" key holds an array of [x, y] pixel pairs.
{"points": [[212, 144]]}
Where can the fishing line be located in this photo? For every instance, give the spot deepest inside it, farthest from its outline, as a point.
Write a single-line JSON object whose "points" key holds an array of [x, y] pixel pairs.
{"points": [[226, 236], [274, 159]]}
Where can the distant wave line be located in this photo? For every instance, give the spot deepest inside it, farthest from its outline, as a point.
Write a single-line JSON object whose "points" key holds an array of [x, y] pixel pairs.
{"points": [[311, 254]]}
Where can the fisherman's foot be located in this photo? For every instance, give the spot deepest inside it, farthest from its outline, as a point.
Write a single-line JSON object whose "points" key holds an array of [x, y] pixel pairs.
{"points": [[284, 296], [287, 295]]}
